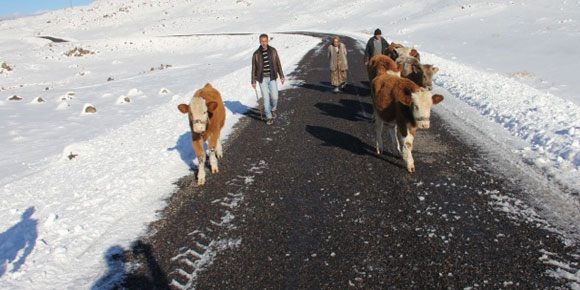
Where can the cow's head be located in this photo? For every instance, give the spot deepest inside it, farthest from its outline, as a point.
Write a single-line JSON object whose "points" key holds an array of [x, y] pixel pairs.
{"points": [[428, 72], [421, 74], [403, 51], [199, 113], [420, 103]]}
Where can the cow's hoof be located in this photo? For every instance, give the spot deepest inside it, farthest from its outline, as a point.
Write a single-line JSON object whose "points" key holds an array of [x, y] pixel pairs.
{"points": [[215, 170], [411, 169], [200, 181], [379, 151], [219, 156]]}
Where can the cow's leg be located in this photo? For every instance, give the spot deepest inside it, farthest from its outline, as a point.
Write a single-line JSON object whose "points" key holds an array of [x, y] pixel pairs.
{"points": [[218, 150], [213, 162], [213, 145], [379, 133], [392, 131], [198, 147], [407, 145]]}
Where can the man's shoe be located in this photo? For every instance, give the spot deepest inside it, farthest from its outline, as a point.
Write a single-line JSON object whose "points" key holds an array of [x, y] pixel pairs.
{"points": [[274, 115], [336, 90], [270, 122]]}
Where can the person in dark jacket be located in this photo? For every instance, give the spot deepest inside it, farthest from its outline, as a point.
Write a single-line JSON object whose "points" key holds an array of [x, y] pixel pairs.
{"points": [[376, 45], [266, 68]]}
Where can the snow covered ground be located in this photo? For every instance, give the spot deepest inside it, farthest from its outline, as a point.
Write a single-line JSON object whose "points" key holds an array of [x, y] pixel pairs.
{"points": [[507, 70]]}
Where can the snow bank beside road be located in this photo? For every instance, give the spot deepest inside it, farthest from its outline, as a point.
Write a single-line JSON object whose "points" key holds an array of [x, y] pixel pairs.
{"points": [[549, 125]]}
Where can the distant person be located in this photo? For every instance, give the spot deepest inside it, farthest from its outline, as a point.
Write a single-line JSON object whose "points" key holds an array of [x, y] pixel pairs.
{"points": [[266, 68], [338, 64], [376, 45]]}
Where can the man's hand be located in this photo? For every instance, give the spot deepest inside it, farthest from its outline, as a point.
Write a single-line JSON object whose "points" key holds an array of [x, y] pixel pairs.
{"points": [[282, 80], [366, 63], [254, 85]]}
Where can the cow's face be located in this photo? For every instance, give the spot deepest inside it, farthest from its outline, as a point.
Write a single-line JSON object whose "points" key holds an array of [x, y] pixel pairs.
{"points": [[421, 107], [427, 78], [403, 51], [198, 114]]}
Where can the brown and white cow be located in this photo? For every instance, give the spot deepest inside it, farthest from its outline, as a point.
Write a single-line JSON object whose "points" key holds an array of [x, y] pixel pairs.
{"points": [[380, 64], [420, 74], [403, 107], [207, 116]]}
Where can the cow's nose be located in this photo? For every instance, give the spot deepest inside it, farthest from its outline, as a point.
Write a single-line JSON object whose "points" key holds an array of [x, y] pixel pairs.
{"points": [[424, 125]]}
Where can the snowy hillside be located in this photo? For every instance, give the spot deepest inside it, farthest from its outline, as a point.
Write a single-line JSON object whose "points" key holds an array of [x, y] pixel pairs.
{"points": [[507, 70]]}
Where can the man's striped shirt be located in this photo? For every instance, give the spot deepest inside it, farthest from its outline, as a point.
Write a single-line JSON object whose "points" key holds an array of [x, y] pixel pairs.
{"points": [[266, 63]]}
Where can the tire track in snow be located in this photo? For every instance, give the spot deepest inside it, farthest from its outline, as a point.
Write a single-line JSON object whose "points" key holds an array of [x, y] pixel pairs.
{"points": [[208, 242]]}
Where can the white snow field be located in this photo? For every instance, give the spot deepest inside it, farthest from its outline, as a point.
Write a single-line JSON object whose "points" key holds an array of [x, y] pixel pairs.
{"points": [[507, 70]]}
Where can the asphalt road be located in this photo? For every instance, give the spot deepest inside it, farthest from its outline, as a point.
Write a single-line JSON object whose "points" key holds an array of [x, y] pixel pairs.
{"points": [[307, 204]]}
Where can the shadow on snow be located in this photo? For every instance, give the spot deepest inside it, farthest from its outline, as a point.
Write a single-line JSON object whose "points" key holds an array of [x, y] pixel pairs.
{"points": [[17, 242]]}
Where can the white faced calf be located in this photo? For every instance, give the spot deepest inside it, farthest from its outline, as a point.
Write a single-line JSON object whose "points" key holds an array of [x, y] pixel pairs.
{"points": [[207, 115], [403, 107]]}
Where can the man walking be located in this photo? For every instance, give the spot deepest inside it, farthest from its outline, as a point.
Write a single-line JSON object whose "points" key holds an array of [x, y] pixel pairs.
{"points": [[376, 45], [266, 68]]}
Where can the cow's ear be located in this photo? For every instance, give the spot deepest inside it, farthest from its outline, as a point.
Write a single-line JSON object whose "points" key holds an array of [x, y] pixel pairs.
{"points": [[183, 108], [211, 106], [435, 69], [417, 69], [437, 99]]}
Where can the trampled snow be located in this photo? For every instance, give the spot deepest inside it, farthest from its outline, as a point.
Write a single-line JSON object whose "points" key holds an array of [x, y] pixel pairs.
{"points": [[76, 184]]}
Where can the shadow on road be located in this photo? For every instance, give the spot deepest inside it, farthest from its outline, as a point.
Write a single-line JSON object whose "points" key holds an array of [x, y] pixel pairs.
{"points": [[117, 276], [355, 90], [333, 138], [155, 278], [321, 88], [348, 109], [255, 114]]}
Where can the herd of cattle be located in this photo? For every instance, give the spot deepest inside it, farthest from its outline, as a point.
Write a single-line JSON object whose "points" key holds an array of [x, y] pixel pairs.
{"points": [[402, 99]]}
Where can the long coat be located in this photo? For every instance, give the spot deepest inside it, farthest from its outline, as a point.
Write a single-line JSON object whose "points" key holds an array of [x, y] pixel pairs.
{"points": [[337, 59]]}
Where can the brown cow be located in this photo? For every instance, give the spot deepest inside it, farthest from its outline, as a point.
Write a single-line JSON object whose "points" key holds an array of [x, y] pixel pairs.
{"points": [[420, 74], [380, 64], [404, 107], [207, 115]]}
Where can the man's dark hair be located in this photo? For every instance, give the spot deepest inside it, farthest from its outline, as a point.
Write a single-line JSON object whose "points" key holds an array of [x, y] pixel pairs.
{"points": [[263, 35]]}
